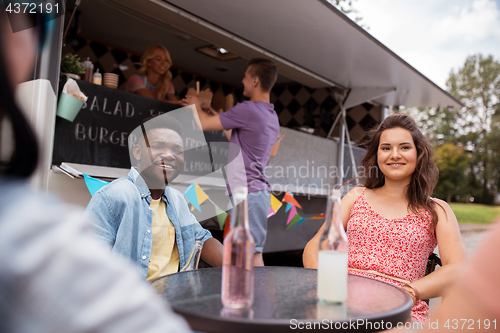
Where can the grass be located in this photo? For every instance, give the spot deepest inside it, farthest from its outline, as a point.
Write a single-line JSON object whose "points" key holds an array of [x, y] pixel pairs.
{"points": [[475, 213]]}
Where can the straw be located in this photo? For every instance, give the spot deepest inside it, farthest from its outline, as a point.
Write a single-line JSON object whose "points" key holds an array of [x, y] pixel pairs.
{"points": [[197, 88]]}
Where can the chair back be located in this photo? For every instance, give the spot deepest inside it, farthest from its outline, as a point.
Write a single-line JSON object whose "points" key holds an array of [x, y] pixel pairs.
{"points": [[432, 262]]}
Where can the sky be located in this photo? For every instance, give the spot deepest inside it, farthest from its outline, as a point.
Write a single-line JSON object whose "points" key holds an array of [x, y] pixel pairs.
{"points": [[434, 36]]}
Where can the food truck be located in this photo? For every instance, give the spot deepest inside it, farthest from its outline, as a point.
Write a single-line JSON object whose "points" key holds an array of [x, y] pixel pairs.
{"points": [[335, 82]]}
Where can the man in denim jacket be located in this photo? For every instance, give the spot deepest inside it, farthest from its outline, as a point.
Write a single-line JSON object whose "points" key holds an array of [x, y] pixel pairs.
{"points": [[144, 219]]}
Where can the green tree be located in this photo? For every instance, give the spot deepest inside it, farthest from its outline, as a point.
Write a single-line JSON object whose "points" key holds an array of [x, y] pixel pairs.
{"points": [[346, 7], [475, 127], [453, 163], [477, 85], [439, 125]]}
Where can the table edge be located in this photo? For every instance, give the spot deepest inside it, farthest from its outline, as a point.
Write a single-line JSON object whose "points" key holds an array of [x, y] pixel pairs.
{"points": [[394, 316]]}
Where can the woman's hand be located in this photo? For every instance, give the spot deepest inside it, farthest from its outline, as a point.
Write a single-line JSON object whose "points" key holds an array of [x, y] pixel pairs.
{"points": [[190, 99]]}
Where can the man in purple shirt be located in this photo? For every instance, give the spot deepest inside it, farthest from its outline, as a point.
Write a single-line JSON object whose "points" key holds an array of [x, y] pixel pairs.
{"points": [[251, 127]]}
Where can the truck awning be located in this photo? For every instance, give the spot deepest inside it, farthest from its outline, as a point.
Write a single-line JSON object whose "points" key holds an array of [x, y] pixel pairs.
{"points": [[313, 43]]}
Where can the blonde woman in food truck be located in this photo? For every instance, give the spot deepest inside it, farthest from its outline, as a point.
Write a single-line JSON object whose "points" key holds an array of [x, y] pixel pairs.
{"points": [[54, 275], [153, 78]]}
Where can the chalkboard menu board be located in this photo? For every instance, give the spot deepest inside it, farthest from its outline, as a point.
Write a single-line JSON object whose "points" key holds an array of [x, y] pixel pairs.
{"points": [[98, 135]]}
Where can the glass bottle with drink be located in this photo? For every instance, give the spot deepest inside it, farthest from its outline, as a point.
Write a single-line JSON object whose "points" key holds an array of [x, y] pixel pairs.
{"points": [[194, 257], [239, 247], [332, 255]]}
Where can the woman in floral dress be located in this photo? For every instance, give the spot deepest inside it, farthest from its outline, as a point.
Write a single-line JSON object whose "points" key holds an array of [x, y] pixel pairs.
{"points": [[392, 223]]}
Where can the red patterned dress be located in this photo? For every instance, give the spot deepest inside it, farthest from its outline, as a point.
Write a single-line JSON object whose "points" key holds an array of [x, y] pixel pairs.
{"points": [[397, 247]]}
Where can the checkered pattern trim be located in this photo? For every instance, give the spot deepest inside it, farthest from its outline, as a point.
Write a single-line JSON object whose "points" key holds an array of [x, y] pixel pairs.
{"points": [[298, 105]]}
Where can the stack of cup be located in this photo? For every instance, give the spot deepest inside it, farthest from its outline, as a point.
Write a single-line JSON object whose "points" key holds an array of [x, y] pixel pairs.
{"points": [[110, 80]]}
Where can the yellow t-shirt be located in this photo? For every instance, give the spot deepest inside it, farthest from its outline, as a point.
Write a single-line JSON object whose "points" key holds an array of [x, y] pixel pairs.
{"points": [[164, 253]]}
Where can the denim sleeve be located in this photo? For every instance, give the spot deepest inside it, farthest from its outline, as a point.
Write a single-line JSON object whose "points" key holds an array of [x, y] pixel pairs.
{"points": [[199, 232], [102, 218]]}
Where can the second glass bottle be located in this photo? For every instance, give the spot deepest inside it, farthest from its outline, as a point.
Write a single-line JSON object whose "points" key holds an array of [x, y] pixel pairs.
{"points": [[239, 247], [332, 254]]}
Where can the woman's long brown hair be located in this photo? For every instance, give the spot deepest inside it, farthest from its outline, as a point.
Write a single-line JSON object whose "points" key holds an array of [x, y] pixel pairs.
{"points": [[426, 174]]}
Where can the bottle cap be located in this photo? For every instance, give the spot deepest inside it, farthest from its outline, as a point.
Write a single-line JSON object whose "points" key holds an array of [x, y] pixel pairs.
{"points": [[335, 192], [87, 63], [240, 194]]}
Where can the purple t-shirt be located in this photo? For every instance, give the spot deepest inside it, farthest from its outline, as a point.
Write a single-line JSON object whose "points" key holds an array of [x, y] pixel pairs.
{"points": [[255, 128]]}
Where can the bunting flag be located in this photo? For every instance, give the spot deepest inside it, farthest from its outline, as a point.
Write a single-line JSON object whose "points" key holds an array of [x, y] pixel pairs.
{"points": [[293, 211], [302, 219], [288, 198], [195, 195], [226, 227], [192, 197], [291, 206], [202, 196], [275, 206], [93, 184], [221, 216], [297, 219], [319, 216]]}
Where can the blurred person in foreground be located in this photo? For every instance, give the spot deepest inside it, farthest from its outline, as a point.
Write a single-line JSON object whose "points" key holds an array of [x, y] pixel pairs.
{"points": [[54, 276], [473, 302]]}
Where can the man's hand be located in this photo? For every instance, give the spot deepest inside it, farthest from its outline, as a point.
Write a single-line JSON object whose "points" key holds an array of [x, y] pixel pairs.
{"points": [[190, 99], [208, 121]]}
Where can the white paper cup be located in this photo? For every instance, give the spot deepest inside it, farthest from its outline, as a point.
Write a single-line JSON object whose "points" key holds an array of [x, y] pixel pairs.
{"points": [[68, 106]]}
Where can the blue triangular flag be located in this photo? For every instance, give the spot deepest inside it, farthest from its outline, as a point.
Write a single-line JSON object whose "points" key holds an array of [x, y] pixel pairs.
{"points": [[190, 194], [93, 184], [299, 222]]}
